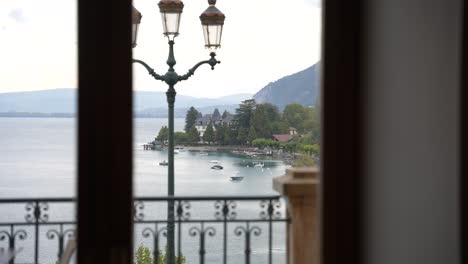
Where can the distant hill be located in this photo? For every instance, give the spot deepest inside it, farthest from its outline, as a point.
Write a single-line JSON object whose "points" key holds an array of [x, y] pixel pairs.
{"points": [[65, 101], [301, 88]]}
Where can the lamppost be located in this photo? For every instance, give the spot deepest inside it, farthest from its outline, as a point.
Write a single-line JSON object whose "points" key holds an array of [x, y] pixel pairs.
{"points": [[212, 22]]}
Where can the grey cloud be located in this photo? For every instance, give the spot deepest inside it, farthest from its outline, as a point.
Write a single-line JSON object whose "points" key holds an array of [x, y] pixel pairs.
{"points": [[17, 15]]}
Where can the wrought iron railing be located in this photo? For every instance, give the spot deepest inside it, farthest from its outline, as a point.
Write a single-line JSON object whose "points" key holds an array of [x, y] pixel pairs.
{"points": [[227, 229]]}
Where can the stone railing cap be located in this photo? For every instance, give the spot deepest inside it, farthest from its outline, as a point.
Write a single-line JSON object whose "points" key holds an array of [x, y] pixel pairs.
{"points": [[297, 182]]}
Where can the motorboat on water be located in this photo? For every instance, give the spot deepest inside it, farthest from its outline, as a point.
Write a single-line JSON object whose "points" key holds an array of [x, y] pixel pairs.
{"points": [[176, 151], [214, 161], [202, 154], [217, 167], [259, 165], [236, 177], [163, 163]]}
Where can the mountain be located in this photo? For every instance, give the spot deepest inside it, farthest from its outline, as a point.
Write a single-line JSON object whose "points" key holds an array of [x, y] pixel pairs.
{"points": [[65, 101], [301, 88], [46, 101]]}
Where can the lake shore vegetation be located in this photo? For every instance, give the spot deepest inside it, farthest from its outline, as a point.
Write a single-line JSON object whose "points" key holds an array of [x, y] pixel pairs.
{"points": [[262, 127]]}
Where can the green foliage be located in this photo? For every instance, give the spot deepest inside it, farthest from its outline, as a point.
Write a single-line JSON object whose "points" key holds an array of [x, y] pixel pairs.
{"points": [[252, 134], [262, 117], [163, 135], [304, 161], [162, 258], [181, 138], [279, 127], [193, 135], [263, 143], [219, 134], [143, 255], [304, 119], [190, 118], [216, 115], [225, 114], [229, 136], [242, 136], [209, 135], [244, 113]]}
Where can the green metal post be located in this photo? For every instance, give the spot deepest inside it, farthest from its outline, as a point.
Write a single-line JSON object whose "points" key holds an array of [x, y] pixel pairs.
{"points": [[171, 78], [171, 93]]}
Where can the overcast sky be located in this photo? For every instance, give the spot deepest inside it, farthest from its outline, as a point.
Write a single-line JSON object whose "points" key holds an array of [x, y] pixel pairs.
{"points": [[263, 40]]}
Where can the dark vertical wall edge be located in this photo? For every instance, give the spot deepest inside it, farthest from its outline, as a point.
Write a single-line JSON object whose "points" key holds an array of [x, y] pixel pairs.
{"points": [[464, 140], [341, 148], [105, 132]]}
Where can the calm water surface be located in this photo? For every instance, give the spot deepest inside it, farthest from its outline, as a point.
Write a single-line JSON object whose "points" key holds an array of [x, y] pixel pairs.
{"points": [[38, 159]]}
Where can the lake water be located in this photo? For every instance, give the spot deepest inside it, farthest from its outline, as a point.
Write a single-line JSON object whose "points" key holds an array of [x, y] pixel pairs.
{"points": [[38, 159]]}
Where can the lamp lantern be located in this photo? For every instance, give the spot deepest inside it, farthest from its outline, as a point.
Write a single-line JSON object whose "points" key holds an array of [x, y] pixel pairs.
{"points": [[171, 11], [212, 21], [136, 19]]}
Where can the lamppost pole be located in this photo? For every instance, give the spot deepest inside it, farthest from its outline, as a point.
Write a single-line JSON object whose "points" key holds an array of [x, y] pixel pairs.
{"points": [[212, 21]]}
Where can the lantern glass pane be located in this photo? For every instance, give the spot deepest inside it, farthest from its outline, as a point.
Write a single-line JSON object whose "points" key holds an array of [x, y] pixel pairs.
{"points": [[212, 34], [134, 34], [171, 22]]}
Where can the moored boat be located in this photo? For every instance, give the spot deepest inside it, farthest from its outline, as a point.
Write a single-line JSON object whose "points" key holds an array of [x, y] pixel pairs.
{"points": [[237, 178], [217, 167]]}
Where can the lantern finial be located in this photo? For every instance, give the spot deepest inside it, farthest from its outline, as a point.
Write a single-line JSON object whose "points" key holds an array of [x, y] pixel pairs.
{"points": [[212, 2]]}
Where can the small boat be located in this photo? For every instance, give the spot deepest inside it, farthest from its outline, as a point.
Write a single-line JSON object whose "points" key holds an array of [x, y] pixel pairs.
{"points": [[202, 154], [217, 167], [259, 165], [176, 151], [163, 163], [214, 161], [237, 178]]}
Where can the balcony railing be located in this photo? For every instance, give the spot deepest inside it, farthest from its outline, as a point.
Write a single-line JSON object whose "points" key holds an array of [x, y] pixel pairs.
{"points": [[238, 229], [226, 229]]}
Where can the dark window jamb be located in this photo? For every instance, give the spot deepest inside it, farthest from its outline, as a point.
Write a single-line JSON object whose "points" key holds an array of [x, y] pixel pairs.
{"points": [[104, 132], [341, 144]]}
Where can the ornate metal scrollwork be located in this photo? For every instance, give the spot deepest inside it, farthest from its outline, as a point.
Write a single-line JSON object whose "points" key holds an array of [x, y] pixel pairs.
{"points": [[12, 236], [37, 211], [255, 230], [270, 209], [202, 232], [156, 234], [60, 235], [247, 231], [138, 214], [225, 210], [194, 231], [182, 210]]}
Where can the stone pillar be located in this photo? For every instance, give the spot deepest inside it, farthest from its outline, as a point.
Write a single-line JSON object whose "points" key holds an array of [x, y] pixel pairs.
{"points": [[300, 188]]}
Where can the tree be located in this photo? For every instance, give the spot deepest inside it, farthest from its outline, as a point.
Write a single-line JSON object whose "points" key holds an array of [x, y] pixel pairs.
{"points": [[244, 113], [190, 118], [228, 136], [242, 136], [272, 111], [216, 115], [209, 135], [279, 127], [262, 117], [181, 138], [193, 135], [219, 134], [252, 134], [163, 135], [225, 114]]}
